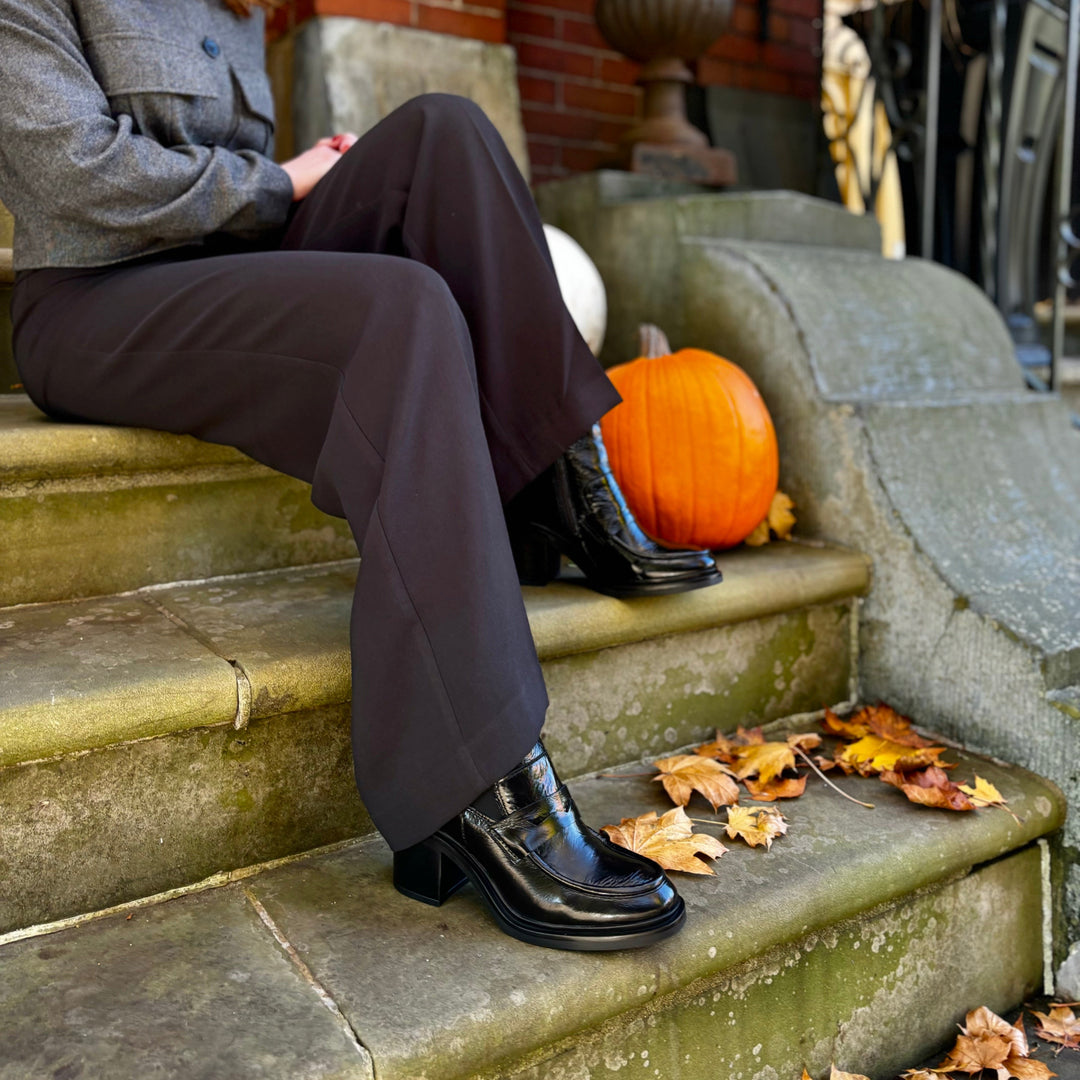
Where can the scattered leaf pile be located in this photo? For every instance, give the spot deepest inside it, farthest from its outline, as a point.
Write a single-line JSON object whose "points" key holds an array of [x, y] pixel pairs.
{"points": [[988, 1042], [779, 521], [875, 741], [760, 765], [881, 742]]}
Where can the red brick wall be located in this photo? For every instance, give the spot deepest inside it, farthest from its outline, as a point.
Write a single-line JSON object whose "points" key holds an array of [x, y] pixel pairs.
{"points": [[484, 20], [577, 95]]}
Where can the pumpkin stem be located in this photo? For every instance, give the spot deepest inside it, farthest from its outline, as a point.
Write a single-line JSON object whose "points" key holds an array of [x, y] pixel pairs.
{"points": [[652, 341]]}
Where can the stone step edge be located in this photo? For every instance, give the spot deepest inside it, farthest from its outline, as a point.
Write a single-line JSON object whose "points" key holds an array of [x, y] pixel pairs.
{"points": [[213, 677], [35, 449]]}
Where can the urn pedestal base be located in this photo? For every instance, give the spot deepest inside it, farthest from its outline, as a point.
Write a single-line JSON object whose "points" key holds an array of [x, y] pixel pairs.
{"points": [[709, 165]]}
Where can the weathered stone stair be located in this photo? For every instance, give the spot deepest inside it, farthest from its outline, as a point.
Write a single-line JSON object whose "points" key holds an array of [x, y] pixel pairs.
{"points": [[151, 739], [174, 716], [859, 939]]}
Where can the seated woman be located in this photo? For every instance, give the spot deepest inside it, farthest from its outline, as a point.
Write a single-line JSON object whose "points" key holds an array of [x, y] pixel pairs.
{"points": [[379, 317]]}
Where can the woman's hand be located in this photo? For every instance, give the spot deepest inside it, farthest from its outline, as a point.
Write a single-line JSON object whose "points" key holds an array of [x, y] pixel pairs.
{"points": [[307, 169]]}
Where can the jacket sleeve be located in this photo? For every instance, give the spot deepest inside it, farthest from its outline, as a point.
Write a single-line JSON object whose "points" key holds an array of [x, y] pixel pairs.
{"points": [[80, 164]]}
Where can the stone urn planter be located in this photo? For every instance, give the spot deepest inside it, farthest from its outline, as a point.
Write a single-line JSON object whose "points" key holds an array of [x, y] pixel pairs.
{"points": [[663, 35]]}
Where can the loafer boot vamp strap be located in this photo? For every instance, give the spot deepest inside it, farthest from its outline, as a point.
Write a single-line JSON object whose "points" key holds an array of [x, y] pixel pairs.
{"points": [[563, 874]]}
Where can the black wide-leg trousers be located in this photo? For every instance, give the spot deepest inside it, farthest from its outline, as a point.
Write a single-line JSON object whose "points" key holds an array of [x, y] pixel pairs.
{"points": [[401, 344]]}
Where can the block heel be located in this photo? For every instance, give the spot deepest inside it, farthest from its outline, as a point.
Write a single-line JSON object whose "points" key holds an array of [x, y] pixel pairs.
{"points": [[537, 559], [424, 874]]}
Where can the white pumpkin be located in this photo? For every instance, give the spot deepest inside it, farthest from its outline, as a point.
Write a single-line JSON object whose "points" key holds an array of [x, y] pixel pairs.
{"points": [[581, 286]]}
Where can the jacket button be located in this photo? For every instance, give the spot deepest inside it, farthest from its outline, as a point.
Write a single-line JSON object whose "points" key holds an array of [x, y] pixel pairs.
{"points": [[211, 46]]}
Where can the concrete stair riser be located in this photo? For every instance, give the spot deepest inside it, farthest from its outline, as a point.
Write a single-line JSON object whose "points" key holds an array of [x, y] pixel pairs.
{"points": [[856, 994], [134, 778]]}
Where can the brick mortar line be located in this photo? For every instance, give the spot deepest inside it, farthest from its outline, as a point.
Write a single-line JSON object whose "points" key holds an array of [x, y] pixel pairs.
{"points": [[309, 977]]}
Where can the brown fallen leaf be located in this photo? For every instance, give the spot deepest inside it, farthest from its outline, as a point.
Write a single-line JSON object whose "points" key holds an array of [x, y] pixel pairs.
{"points": [[930, 787], [885, 721], [989, 1042], [780, 788], [849, 729], [669, 840], [807, 740], [755, 826], [919, 1074], [972, 1055], [684, 774], [983, 1021], [875, 754], [1060, 1026], [779, 520], [721, 748]]}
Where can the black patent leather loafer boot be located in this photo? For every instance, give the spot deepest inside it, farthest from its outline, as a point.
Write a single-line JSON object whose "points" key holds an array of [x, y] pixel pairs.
{"points": [[576, 508], [545, 876]]}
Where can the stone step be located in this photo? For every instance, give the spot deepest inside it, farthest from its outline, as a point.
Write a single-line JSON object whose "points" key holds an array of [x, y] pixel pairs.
{"points": [[862, 938], [95, 509], [152, 739]]}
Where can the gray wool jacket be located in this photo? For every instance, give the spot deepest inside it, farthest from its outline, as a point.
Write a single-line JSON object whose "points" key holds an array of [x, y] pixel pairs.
{"points": [[129, 127]]}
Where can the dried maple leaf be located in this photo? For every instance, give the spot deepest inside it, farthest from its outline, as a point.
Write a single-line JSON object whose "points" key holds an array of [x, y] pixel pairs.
{"points": [[930, 787], [885, 721], [779, 788], [808, 740], [989, 1042], [720, 748], [875, 754], [779, 520], [764, 760], [919, 1074], [749, 736], [684, 774], [973, 1054], [1061, 1026], [983, 793], [669, 840], [756, 827], [850, 729], [983, 1021]]}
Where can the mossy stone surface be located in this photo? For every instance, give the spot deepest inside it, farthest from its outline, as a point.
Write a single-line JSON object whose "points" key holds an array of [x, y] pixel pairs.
{"points": [[84, 832]]}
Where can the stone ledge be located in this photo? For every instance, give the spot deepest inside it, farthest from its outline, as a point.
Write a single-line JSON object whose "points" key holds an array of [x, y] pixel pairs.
{"points": [[34, 448], [143, 672]]}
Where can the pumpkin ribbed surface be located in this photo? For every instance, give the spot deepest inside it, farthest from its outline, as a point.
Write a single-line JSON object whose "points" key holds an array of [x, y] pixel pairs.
{"points": [[693, 448]]}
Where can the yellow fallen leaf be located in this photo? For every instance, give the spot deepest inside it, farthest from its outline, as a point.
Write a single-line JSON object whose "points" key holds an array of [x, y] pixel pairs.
{"points": [[875, 754], [669, 840], [779, 520], [764, 760], [983, 793], [755, 826], [760, 535], [684, 774]]}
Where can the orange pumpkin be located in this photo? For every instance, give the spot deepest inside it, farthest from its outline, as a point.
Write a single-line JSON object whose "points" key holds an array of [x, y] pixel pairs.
{"points": [[692, 445]]}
